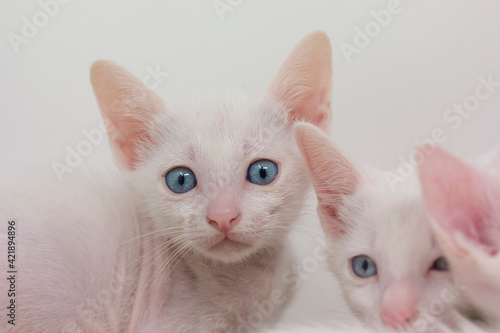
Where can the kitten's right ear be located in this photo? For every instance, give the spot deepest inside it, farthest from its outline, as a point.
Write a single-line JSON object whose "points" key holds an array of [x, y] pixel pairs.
{"points": [[127, 107], [333, 176], [460, 200], [304, 81]]}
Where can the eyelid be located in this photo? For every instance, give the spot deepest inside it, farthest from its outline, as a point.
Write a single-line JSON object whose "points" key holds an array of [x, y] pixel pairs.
{"points": [[263, 159], [177, 166]]}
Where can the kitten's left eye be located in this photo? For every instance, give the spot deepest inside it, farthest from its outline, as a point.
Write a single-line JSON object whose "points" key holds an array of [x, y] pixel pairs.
{"points": [[364, 266], [440, 264], [180, 180], [262, 172]]}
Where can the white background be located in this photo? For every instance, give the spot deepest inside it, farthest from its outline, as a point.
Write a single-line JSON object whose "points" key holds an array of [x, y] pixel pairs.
{"points": [[394, 92]]}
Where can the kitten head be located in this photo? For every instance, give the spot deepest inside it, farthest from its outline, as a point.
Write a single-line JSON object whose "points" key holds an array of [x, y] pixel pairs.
{"points": [[464, 205], [381, 247], [222, 179]]}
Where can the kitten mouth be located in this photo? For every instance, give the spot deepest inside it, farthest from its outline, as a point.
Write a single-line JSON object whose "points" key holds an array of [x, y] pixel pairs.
{"points": [[229, 242]]}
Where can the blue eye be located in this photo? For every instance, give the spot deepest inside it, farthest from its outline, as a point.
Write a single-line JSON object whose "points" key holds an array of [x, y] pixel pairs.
{"points": [[180, 180], [364, 267], [262, 172], [440, 264]]}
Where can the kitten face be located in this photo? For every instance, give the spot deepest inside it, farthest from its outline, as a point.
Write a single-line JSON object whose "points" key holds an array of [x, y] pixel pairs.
{"points": [[222, 179], [381, 246], [219, 144], [391, 229], [463, 202]]}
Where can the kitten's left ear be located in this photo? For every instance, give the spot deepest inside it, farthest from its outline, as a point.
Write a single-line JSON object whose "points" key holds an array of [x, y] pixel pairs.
{"points": [[333, 176], [460, 200], [304, 81]]}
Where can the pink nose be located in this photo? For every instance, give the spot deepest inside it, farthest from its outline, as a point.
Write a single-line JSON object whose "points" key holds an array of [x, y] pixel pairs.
{"points": [[398, 318], [223, 213], [399, 304]]}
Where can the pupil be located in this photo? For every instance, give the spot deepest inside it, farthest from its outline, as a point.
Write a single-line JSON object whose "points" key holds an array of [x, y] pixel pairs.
{"points": [[262, 172], [365, 265], [181, 179]]}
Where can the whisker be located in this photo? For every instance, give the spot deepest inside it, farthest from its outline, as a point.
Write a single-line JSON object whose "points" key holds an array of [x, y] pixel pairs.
{"points": [[169, 259], [161, 245], [178, 257], [152, 232], [159, 233]]}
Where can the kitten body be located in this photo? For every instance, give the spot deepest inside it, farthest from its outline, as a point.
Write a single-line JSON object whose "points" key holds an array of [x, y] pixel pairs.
{"points": [[74, 271], [128, 254]]}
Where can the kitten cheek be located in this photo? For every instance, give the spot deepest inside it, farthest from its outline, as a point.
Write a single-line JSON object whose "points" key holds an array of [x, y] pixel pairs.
{"points": [[195, 195], [364, 302]]}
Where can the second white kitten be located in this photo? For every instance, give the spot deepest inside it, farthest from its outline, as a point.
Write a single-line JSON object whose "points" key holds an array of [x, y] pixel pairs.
{"points": [[381, 247]]}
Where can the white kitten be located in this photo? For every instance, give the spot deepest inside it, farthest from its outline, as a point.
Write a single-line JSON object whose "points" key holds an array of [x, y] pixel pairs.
{"points": [[464, 203], [191, 238], [381, 246]]}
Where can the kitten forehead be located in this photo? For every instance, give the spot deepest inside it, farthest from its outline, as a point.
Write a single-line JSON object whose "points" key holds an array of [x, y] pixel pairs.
{"points": [[393, 227]]}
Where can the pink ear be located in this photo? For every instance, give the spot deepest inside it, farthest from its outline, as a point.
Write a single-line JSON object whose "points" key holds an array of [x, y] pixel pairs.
{"points": [[333, 176], [304, 81], [127, 106], [459, 198]]}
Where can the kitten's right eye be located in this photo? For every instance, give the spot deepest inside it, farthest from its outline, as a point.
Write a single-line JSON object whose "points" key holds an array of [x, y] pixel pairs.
{"points": [[180, 180], [363, 266]]}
